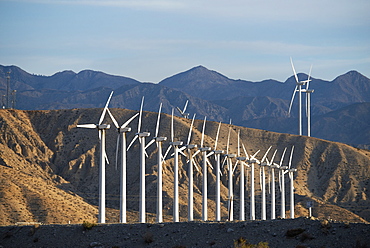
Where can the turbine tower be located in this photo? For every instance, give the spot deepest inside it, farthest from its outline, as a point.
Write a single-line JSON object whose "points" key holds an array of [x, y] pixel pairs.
{"points": [[217, 154], [291, 171], [159, 141], [282, 184], [242, 178], [141, 136], [121, 138], [272, 167], [102, 128], [175, 145], [203, 150], [263, 184], [252, 161], [189, 147]]}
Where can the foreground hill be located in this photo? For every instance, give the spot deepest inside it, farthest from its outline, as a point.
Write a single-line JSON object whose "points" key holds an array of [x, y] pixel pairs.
{"points": [[299, 232], [49, 169]]}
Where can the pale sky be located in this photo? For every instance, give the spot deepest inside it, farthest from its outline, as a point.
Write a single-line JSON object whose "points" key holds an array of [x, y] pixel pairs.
{"points": [[152, 40]]}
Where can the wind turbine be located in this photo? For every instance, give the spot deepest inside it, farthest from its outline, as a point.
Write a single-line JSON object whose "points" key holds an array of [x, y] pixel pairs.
{"points": [[203, 150], [122, 130], [272, 167], [182, 112], [175, 145], [242, 177], [217, 154], [228, 158], [252, 161], [141, 136], [290, 171], [263, 184], [282, 184], [189, 148], [102, 128], [308, 103], [158, 140], [299, 87]]}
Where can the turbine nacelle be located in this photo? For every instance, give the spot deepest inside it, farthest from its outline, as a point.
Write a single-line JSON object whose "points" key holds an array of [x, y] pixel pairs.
{"points": [[242, 158], [190, 146], [264, 164], [218, 151], [160, 139], [143, 134], [204, 149], [252, 161], [124, 130], [230, 155], [176, 143]]}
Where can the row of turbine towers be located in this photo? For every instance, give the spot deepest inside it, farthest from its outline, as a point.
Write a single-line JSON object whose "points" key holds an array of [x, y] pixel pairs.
{"points": [[190, 151]]}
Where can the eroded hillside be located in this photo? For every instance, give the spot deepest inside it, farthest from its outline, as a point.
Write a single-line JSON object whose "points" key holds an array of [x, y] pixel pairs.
{"points": [[49, 169]]}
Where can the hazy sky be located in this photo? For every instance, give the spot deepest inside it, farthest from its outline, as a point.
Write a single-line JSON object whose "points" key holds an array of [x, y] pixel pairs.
{"points": [[149, 40]]}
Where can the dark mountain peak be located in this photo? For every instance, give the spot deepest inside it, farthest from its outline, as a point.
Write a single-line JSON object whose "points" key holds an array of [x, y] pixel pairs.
{"points": [[352, 76]]}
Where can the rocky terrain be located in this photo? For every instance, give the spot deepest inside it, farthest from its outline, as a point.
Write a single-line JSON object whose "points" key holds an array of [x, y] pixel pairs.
{"points": [[49, 174], [300, 233]]}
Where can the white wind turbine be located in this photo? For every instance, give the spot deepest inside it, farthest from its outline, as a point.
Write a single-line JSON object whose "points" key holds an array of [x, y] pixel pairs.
{"points": [[308, 103], [252, 161], [290, 171], [141, 136], [175, 145], [203, 150], [242, 179], [298, 88], [263, 184], [272, 167], [182, 112], [282, 184], [102, 128], [121, 138], [228, 159], [189, 148], [158, 140], [217, 154]]}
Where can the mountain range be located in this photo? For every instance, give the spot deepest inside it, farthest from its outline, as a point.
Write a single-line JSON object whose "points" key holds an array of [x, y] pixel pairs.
{"points": [[339, 108]]}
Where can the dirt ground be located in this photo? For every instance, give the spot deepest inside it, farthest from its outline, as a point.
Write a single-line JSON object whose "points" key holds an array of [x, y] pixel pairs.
{"points": [[300, 232]]}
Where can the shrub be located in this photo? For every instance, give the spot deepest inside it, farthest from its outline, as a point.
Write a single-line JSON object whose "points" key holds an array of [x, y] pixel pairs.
{"points": [[88, 225], [243, 243]]}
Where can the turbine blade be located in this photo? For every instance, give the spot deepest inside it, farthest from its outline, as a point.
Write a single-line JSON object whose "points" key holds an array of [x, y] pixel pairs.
{"points": [[158, 119], [179, 110], [261, 178], [254, 155], [190, 130], [105, 109], [167, 151], [106, 157], [308, 79], [195, 153], [186, 105], [291, 157], [141, 114], [210, 154], [291, 100], [117, 149], [113, 119], [129, 121], [245, 151], [209, 163], [182, 153], [282, 157], [228, 139], [264, 156], [273, 156], [218, 132], [150, 143], [204, 127], [132, 142], [87, 125], [295, 74], [172, 126]]}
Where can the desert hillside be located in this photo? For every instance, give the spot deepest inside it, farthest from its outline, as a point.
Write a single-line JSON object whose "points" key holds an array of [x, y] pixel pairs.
{"points": [[49, 169]]}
